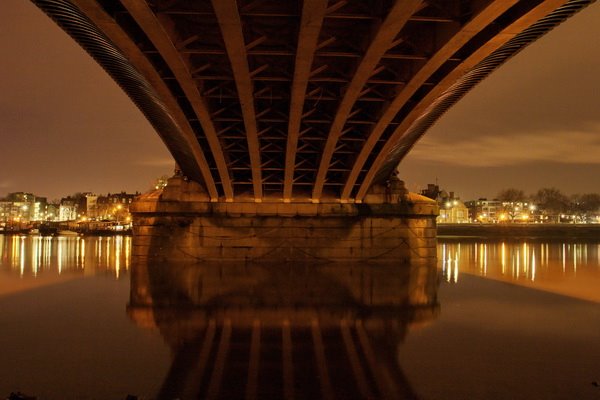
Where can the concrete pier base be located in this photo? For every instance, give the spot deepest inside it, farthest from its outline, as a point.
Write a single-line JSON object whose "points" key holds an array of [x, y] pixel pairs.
{"points": [[179, 223]]}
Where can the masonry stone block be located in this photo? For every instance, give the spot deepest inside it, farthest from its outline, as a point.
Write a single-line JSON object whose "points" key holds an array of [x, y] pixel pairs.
{"points": [[268, 209], [183, 227]]}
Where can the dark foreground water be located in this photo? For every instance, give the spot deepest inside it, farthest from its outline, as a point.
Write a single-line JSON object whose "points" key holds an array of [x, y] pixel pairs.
{"points": [[494, 320]]}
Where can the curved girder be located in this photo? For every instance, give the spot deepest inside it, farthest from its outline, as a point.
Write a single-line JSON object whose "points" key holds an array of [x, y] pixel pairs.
{"points": [[395, 20], [97, 33], [156, 32], [481, 63], [229, 20], [313, 13], [305, 99], [465, 33]]}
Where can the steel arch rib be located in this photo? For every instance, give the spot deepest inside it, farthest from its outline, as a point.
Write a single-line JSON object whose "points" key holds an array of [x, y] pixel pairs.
{"points": [[502, 38], [152, 27], [387, 32], [313, 12], [230, 23], [119, 38], [466, 33]]}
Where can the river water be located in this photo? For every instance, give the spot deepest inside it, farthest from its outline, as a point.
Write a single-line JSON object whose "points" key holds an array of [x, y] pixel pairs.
{"points": [[79, 319]]}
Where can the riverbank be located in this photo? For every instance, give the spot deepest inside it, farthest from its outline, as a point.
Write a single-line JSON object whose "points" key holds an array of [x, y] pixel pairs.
{"points": [[520, 231], [67, 232], [68, 228]]}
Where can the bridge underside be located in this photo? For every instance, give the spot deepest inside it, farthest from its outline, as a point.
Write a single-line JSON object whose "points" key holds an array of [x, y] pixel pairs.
{"points": [[299, 101]]}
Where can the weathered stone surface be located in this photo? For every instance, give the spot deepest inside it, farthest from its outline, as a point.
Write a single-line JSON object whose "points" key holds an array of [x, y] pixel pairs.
{"points": [[178, 225]]}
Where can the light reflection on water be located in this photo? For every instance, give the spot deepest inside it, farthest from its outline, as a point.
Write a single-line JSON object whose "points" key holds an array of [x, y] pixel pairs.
{"points": [[568, 268], [235, 330], [490, 340], [31, 256]]}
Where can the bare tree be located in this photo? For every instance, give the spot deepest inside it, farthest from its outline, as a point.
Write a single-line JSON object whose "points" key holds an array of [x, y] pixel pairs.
{"points": [[551, 200], [585, 204], [511, 195]]}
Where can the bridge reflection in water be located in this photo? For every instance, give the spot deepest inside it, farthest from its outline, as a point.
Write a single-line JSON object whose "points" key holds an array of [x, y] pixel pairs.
{"points": [[260, 331]]}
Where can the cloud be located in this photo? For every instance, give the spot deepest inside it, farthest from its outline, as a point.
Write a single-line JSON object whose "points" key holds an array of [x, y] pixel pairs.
{"points": [[581, 147]]}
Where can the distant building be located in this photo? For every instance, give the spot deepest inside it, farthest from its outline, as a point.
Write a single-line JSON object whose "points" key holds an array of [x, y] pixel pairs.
{"points": [[452, 209], [67, 210], [73, 207], [432, 191], [122, 198], [52, 211], [115, 206], [494, 211], [23, 207], [518, 211], [91, 206], [484, 210]]}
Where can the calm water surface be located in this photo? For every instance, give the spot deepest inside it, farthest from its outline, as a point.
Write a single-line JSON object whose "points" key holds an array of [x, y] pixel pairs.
{"points": [[494, 320], [569, 268]]}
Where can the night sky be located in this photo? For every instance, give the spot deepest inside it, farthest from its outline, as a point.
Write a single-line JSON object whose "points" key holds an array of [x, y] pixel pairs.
{"points": [[66, 127]]}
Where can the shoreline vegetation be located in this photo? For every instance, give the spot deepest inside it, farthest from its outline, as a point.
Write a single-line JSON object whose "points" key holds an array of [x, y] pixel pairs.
{"points": [[519, 231]]}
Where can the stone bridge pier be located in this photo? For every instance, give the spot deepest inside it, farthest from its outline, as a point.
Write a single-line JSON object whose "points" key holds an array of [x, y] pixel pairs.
{"points": [[180, 223]]}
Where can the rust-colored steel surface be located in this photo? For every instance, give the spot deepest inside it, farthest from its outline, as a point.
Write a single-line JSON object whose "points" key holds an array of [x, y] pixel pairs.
{"points": [[297, 101]]}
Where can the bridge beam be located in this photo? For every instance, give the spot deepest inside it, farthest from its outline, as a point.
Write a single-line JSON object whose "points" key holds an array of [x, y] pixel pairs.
{"points": [[299, 101], [479, 22], [437, 94], [139, 61], [313, 12], [231, 28], [164, 43], [401, 11]]}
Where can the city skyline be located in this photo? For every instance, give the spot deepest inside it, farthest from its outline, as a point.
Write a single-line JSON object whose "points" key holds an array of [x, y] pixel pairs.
{"points": [[58, 139]]}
